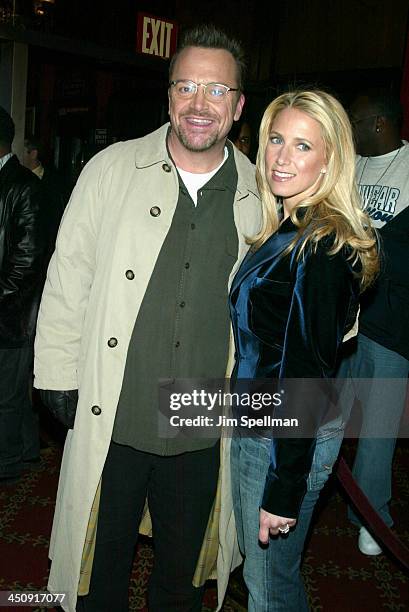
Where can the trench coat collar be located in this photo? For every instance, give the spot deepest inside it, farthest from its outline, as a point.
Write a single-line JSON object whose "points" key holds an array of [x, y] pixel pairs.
{"points": [[246, 182], [152, 149]]}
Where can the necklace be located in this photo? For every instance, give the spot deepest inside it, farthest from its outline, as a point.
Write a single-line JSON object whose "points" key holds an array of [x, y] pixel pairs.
{"points": [[384, 172]]}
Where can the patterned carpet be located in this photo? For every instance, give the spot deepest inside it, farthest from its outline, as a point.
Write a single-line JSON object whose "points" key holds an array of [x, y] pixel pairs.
{"points": [[337, 576]]}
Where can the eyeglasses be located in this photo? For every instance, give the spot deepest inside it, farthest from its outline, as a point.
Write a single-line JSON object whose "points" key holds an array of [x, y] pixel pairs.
{"points": [[216, 92], [355, 121]]}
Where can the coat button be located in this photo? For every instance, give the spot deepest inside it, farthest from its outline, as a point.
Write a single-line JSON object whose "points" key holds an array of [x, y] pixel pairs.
{"points": [[112, 342], [129, 275], [166, 168], [155, 211], [96, 410]]}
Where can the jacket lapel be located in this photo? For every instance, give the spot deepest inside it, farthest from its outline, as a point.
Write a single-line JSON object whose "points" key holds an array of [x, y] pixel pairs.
{"points": [[270, 251]]}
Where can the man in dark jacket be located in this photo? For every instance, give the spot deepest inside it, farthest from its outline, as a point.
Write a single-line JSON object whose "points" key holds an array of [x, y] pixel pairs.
{"points": [[55, 191], [22, 243]]}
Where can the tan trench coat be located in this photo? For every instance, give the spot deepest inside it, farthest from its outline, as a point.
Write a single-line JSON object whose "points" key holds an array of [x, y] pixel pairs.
{"points": [[107, 229]]}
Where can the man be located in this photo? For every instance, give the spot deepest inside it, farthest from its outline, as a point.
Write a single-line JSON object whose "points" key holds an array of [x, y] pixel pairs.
{"points": [[383, 339], [21, 265], [240, 135], [55, 197], [137, 291]]}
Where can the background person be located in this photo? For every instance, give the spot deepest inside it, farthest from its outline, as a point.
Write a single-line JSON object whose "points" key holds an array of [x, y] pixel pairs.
{"points": [[292, 300], [137, 291], [22, 246], [382, 349], [240, 135], [55, 193]]}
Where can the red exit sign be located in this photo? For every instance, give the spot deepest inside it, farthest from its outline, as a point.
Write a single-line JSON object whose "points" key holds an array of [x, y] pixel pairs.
{"points": [[156, 36]]}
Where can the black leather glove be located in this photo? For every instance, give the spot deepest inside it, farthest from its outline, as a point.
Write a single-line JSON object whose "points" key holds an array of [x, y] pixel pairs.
{"points": [[61, 404]]}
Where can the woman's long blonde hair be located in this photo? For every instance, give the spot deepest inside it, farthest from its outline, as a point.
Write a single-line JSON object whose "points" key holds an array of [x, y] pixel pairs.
{"points": [[335, 208]]}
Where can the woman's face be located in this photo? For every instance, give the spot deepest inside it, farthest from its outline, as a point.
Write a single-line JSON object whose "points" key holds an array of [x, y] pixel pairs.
{"points": [[295, 157]]}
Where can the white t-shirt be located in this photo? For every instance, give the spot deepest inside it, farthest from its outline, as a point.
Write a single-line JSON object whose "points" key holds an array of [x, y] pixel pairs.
{"points": [[383, 183], [194, 181]]}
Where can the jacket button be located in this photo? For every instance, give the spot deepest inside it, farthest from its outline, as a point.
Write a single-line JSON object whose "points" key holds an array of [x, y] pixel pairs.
{"points": [[129, 275], [112, 342], [166, 168], [96, 410], [155, 211]]}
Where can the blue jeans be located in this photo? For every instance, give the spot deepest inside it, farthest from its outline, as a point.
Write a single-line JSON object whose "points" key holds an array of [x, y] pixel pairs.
{"points": [[272, 573], [382, 405], [19, 435]]}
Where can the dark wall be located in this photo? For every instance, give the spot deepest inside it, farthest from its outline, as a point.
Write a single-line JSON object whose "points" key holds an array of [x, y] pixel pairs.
{"points": [[338, 44], [318, 35]]}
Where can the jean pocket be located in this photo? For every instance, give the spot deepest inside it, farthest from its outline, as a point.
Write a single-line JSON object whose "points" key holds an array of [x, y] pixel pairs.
{"points": [[325, 455]]}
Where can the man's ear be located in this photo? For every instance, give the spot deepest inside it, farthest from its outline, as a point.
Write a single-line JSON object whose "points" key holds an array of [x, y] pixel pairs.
{"points": [[380, 123], [239, 107]]}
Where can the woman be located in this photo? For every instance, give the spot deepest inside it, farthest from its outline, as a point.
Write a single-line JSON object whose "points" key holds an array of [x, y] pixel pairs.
{"points": [[292, 302]]}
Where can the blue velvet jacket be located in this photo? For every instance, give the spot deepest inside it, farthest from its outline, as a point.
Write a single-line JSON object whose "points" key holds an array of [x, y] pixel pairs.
{"points": [[289, 317]]}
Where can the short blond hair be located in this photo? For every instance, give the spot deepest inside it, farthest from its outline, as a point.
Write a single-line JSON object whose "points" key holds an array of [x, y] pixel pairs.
{"points": [[335, 208]]}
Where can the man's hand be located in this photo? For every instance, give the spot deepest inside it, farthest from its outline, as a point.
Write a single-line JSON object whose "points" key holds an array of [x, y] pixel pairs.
{"points": [[269, 524], [61, 404]]}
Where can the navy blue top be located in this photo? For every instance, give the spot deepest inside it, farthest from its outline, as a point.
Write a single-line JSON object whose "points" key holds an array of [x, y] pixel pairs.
{"points": [[289, 317]]}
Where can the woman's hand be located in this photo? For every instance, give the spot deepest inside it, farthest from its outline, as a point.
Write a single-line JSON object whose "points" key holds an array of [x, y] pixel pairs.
{"points": [[271, 523]]}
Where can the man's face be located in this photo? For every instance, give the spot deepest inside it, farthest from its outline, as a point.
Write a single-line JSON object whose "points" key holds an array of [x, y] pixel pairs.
{"points": [[199, 123], [243, 141], [364, 120], [30, 156]]}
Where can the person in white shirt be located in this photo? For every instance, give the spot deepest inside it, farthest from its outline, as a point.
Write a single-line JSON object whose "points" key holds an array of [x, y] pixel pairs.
{"points": [[382, 351]]}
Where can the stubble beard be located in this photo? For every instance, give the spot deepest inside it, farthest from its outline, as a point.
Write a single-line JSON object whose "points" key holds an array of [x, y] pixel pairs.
{"points": [[189, 143]]}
